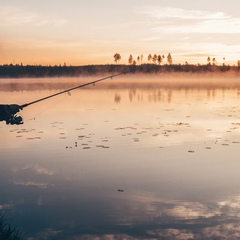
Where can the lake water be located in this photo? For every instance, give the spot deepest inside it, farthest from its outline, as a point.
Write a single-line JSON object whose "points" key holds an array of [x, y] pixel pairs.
{"points": [[142, 158]]}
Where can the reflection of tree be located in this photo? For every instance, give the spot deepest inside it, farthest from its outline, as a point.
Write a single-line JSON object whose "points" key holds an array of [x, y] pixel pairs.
{"points": [[117, 98], [160, 96], [169, 95], [130, 96], [132, 93], [211, 94]]}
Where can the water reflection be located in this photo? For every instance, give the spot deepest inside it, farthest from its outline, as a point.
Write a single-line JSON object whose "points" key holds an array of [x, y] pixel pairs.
{"points": [[134, 163]]}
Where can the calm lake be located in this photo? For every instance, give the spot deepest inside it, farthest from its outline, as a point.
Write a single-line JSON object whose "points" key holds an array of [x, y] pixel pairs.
{"points": [[148, 157]]}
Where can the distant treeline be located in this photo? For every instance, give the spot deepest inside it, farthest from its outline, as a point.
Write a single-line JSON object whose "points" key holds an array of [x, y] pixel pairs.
{"points": [[20, 71]]}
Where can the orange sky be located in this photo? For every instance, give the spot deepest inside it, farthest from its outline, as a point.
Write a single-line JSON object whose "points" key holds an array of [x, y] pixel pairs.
{"points": [[90, 32]]}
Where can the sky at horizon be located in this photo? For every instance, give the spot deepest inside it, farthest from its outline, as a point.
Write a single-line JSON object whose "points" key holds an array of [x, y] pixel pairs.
{"points": [[90, 32]]}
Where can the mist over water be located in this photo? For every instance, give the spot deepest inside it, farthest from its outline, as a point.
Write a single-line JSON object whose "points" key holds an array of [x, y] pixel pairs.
{"points": [[129, 80], [146, 157]]}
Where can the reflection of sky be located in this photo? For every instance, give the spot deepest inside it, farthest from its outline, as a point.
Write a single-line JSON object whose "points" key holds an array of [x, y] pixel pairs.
{"points": [[177, 162]]}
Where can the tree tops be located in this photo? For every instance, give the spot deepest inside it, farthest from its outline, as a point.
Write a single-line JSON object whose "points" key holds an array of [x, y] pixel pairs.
{"points": [[155, 59], [155, 63]]}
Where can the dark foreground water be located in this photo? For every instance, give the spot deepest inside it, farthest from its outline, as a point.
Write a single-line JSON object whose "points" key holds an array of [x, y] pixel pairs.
{"points": [[138, 161]]}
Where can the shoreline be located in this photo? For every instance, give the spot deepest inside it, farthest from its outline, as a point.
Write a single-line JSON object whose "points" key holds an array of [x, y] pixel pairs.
{"points": [[32, 71]]}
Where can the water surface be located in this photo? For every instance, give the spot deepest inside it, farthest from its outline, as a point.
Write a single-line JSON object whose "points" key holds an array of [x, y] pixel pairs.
{"points": [[147, 159]]}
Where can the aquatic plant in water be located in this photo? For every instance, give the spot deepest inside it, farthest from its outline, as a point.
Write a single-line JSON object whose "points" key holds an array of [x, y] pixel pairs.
{"points": [[7, 232]]}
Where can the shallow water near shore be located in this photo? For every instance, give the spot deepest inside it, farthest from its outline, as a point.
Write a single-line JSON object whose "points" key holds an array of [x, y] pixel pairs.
{"points": [[144, 160]]}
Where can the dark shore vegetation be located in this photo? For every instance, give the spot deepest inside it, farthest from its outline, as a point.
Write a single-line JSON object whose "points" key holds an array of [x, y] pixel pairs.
{"points": [[20, 71], [7, 232]]}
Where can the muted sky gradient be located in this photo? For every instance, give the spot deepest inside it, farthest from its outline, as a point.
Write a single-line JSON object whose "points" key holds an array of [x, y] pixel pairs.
{"points": [[81, 32]]}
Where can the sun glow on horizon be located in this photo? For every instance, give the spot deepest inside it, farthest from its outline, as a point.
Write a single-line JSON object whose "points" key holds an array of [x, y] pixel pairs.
{"points": [[82, 33]]}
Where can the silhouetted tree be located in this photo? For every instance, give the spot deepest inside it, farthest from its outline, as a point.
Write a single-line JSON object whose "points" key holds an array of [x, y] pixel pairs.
{"points": [[238, 63], [138, 59], [141, 58], [159, 59], [130, 59], [149, 57], [117, 57], [214, 61], [209, 60], [224, 62], [163, 57], [154, 58], [134, 63], [169, 59]]}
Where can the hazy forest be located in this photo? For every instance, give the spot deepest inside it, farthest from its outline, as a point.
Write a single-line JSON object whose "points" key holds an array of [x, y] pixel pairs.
{"points": [[155, 64]]}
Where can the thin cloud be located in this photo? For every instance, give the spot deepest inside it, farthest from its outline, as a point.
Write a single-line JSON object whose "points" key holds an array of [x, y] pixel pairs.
{"points": [[167, 20], [12, 16], [222, 231], [204, 49], [31, 184], [190, 210], [34, 168], [39, 170], [5, 206], [170, 12], [215, 220]]}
